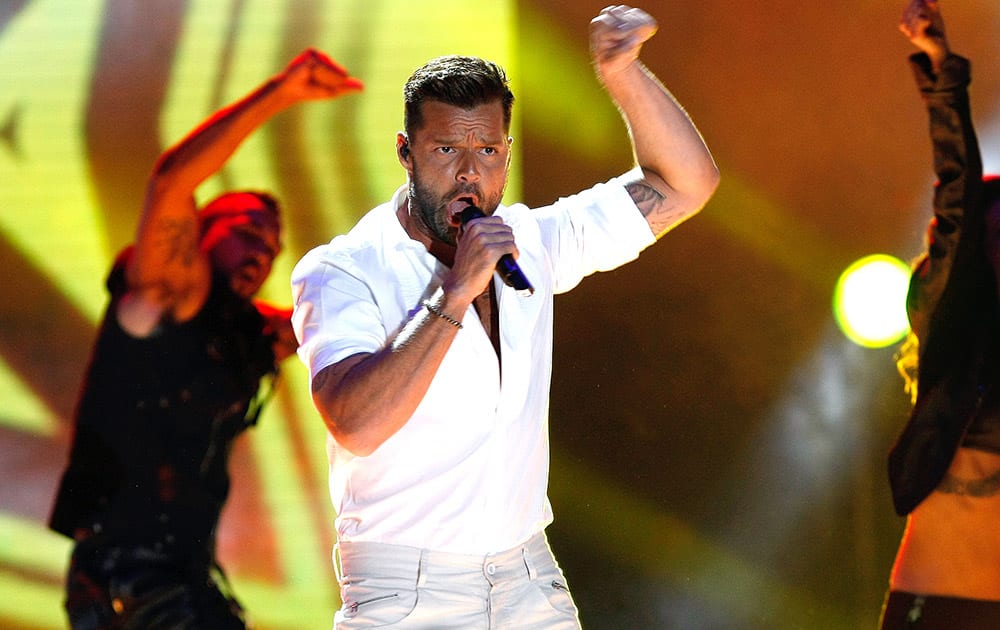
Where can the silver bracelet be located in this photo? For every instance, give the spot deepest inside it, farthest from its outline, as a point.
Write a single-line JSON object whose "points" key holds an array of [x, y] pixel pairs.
{"points": [[436, 311]]}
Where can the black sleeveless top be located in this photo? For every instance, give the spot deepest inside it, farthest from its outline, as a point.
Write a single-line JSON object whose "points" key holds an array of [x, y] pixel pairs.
{"points": [[156, 420]]}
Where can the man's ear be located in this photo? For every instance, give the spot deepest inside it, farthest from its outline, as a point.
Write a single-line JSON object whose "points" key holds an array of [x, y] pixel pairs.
{"points": [[403, 148]]}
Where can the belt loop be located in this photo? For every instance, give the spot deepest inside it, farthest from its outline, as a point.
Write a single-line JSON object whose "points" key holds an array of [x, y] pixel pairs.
{"points": [[526, 557], [337, 567], [422, 568]]}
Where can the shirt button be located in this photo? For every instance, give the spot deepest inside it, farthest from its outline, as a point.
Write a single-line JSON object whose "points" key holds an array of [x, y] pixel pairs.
{"points": [[491, 569]]}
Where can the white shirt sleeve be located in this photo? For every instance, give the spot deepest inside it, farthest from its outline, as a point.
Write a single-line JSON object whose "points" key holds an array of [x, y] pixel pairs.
{"points": [[335, 315], [598, 229]]}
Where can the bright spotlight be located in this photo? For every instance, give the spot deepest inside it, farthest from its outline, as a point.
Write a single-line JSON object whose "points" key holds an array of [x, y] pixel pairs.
{"points": [[869, 302]]}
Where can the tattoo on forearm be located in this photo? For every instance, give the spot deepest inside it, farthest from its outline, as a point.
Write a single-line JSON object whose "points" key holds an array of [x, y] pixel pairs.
{"points": [[653, 205], [985, 487]]}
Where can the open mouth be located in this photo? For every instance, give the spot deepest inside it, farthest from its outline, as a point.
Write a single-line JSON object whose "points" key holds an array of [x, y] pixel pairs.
{"points": [[249, 271], [455, 209]]}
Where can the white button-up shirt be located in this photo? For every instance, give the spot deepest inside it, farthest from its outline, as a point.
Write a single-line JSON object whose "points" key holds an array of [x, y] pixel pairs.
{"points": [[468, 472]]}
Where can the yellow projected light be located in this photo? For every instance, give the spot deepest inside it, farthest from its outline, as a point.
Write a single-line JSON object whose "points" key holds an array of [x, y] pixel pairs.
{"points": [[869, 301]]}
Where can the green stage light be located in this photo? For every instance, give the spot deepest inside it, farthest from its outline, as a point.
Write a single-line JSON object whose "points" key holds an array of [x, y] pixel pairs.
{"points": [[869, 302]]}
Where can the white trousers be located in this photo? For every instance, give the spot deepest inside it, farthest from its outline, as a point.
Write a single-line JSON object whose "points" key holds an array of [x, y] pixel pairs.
{"points": [[406, 588]]}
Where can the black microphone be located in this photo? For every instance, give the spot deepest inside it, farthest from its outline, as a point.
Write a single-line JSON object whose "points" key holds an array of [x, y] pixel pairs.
{"points": [[506, 266]]}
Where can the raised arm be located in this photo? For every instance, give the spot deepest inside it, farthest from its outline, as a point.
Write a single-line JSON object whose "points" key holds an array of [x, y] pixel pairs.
{"points": [[956, 229], [679, 174], [947, 299], [169, 273]]}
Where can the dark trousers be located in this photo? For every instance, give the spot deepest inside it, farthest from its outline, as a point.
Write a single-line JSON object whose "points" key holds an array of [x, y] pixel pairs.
{"points": [[140, 588], [909, 611]]}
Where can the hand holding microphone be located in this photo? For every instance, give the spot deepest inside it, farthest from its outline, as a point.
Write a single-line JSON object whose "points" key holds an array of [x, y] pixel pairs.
{"points": [[507, 267]]}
